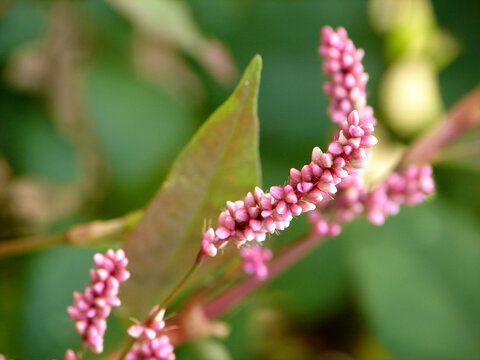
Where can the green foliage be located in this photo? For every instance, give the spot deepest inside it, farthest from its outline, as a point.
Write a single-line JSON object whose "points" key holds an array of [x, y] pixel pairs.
{"points": [[29, 131], [207, 349], [127, 111], [220, 163], [50, 279], [23, 22], [414, 288], [311, 299], [417, 279]]}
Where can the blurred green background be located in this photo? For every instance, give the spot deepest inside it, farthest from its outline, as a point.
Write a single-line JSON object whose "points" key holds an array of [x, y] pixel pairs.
{"points": [[98, 97]]}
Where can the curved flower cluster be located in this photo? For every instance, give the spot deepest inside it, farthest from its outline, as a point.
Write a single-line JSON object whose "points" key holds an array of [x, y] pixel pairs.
{"points": [[408, 188], [254, 261], [158, 348], [91, 309], [343, 64], [250, 219]]}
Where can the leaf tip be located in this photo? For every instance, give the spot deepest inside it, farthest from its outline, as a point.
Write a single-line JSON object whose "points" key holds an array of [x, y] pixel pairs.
{"points": [[250, 81], [256, 62]]}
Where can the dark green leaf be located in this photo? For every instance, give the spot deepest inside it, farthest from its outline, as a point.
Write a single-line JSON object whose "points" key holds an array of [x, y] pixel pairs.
{"points": [[418, 281]]}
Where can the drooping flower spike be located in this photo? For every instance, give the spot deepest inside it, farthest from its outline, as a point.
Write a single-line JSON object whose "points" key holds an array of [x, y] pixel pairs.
{"points": [[407, 188], [91, 309]]}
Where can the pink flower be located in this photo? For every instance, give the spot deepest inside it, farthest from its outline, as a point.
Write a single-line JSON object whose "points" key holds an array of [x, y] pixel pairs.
{"points": [[150, 329], [150, 345], [343, 64], [260, 213], [158, 348], [254, 261], [347, 91], [408, 188], [69, 355], [91, 309]]}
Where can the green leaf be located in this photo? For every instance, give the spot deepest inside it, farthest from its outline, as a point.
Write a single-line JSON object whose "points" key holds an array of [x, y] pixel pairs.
{"points": [[418, 282], [220, 163]]}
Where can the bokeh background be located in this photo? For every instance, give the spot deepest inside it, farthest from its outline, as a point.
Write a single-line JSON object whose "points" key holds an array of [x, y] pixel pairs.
{"points": [[97, 97]]}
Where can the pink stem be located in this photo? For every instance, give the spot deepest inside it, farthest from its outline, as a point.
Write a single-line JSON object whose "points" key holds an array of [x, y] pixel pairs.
{"points": [[464, 116], [282, 262]]}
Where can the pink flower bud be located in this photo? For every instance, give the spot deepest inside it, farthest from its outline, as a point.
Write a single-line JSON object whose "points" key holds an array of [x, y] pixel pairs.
{"points": [[277, 192], [69, 355]]}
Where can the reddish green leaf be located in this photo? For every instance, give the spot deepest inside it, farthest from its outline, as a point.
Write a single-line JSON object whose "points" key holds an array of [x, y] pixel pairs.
{"points": [[220, 163]]}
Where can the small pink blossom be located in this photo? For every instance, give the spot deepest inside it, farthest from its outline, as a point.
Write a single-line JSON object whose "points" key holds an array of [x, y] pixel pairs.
{"points": [[343, 64], [254, 261], [91, 309], [150, 329], [150, 344], [262, 212], [346, 90], [158, 348], [408, 188], [69, 355]]}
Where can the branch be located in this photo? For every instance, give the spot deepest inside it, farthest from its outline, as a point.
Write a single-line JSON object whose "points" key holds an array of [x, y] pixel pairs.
{"points": [[284, 260], [464, 116], [84, 234]]}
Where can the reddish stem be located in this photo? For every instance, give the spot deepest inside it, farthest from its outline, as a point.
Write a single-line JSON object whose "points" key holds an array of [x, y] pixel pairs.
{"points": [[282, 262], [464, 116]]}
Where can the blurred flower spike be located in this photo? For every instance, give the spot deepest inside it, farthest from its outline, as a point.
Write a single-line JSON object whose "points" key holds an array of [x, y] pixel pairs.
{"points": [[91, 309]]}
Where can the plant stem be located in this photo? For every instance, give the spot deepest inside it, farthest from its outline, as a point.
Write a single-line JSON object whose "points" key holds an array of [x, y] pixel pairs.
{"points": [[81, 351], [464, 116], [88, 233], [286, 258], [23, 245], [461, 151], [165, 302], [461, 118], [177, 289]]}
